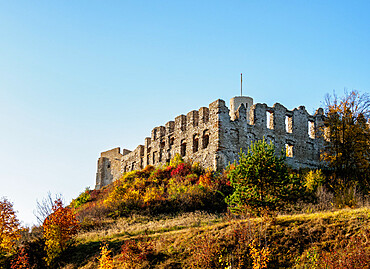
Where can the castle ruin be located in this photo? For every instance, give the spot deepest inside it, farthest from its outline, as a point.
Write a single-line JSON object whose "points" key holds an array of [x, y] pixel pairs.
{"points": [[214, 135]]}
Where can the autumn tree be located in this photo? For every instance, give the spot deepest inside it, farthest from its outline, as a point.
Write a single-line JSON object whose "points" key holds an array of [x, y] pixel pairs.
{"points": [[105, 260], [347, 149], [59, 228], [9, 226], [45, 207], [21, 261]]}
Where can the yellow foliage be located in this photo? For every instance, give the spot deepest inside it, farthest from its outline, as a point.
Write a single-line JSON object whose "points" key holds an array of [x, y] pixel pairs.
{"points": [[139, 183], [128, 176], [176, 160], [313, 179], [132, 195], [260, 256], [175, 188], [105, 260], [117, 195], [9, 226], [153, 194]]}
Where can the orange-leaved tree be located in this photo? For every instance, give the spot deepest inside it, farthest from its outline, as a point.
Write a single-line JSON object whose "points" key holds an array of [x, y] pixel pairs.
{"points": [[59, 229], [21, 261], [9, 226]]}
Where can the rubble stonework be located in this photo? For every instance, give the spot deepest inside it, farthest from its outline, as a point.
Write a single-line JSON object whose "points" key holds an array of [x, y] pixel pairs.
{"points": [[213, 136]]}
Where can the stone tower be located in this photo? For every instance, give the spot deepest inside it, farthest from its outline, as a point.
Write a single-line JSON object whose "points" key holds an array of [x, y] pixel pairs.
{"points": [[236, 101]]}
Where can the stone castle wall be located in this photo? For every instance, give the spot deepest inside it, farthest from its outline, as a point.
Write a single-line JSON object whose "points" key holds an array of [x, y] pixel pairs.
{"points": [[295, 131], [213, 137]]}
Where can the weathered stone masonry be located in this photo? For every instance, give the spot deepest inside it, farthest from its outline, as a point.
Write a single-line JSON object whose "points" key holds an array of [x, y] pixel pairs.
{"points": [[213, 137]]}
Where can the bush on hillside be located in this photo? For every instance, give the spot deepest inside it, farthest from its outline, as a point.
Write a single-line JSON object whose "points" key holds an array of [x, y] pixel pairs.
{"points": [[261, 181], [176, 187], [83, 198]]}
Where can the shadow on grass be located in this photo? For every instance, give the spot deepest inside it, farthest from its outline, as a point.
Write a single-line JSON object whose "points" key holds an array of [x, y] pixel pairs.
{"points": [[79, 255]]}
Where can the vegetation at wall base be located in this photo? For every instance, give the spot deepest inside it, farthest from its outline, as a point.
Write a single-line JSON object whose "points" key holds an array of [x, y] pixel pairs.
{"points": [[261, 181]]}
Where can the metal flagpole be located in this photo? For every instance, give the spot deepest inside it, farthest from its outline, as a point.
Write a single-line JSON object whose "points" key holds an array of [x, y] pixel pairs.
{"points": [[241, 84]]}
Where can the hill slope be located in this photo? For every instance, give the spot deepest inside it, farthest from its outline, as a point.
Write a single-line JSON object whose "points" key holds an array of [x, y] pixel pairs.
{"points": [[202, 240]]}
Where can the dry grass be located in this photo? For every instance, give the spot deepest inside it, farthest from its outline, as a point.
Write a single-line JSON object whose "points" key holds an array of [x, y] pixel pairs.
{"points": [[346, 213], [289, 236], [138, 225]]}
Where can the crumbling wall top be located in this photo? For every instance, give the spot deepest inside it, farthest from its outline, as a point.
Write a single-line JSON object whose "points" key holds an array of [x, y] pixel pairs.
{"points": [[112, 153]]}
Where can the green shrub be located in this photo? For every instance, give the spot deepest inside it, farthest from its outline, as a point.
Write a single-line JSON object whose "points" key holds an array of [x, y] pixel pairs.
{"points": [[261, 181], [313, 179], [83, 198]]}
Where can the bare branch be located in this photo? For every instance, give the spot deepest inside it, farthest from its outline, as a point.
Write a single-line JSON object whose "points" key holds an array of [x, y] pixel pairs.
{"points": [[44, 207]]}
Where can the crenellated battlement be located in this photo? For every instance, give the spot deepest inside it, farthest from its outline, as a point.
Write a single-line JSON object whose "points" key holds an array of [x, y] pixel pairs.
{"points": [[214, 135]]}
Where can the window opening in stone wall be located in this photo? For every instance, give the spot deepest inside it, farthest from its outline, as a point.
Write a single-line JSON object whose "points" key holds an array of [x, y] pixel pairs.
{"points": [[108, 166], [171, 140], [195, 143], [133, 166], [205, 139], [311, 129], [183, 148], [289, 150], [154, 153], [289, 124], [155, 134], [270, 120], [163, 144], [160, 155], [205, 118], [148, 156]]}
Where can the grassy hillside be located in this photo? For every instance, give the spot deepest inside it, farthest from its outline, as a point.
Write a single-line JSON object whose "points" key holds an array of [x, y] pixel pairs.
{"points": [[181, 216], [195, 240]]}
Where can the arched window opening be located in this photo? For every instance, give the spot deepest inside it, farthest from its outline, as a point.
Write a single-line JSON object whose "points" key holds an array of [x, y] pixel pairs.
{"points": [[171, 141], [311, 129], [183, 148], [148, 156], [289, 124], [195, 143], [270, 120], [289, 150], [205, 139]]}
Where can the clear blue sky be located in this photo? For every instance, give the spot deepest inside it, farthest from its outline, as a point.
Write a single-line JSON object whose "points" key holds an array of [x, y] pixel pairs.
{"points": [[81, 77]]}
